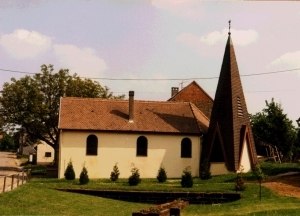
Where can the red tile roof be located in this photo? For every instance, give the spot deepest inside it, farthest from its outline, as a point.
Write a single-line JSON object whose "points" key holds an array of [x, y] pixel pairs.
{"points": [[195, 94], [149, 116]]}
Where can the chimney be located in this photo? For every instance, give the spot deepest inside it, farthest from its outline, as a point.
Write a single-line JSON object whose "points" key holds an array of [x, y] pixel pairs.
{"points": [[174, 91], [131, 106]]}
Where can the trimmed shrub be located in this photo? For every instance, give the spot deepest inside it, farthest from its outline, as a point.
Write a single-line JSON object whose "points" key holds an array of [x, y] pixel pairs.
{"points": [[162, 175], [69, 172], [239, 182], [84, 177], [134, 179], [114, 175], [205, 170], [187, 178]]}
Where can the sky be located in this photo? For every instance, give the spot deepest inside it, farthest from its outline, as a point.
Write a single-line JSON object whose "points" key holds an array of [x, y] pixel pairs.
{"points": [[149, 46]]}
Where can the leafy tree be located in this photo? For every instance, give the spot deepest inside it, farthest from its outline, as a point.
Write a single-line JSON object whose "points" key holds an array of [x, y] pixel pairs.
{"points": [[7, 142], [32, 102], [273, 126], [296, 149]]}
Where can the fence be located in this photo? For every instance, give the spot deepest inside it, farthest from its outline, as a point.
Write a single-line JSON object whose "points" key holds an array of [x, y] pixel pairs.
{"points": [[12, 181]]}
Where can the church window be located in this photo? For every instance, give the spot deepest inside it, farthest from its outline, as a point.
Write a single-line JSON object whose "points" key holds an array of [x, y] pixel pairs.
{"points": [[186, 148], [141, 146], [92, 145]]}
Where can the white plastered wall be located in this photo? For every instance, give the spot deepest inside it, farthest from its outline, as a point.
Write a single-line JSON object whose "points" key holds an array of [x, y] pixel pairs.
{"points": [[218, 168], [245, 165], [42, 148], [163, 150]]}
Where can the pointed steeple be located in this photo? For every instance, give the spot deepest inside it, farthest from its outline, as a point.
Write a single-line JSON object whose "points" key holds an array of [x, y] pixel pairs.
{"points": [[229, 137]]}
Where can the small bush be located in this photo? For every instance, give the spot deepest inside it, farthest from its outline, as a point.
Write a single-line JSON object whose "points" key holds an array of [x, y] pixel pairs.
{"points": [[69, 172], [205, 170], [258, 173], [114, 175], [36, 169], [239, 183], [84, 177], [187, 178], [134, 179], [162, 175], [271, 168]]}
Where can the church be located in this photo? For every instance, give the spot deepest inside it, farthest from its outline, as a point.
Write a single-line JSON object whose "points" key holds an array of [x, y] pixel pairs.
{"points": [[183, 132]]}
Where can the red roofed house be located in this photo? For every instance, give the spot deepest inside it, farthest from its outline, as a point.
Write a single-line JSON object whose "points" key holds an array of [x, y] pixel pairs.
{"points": [[195, 94], [99, 133]]}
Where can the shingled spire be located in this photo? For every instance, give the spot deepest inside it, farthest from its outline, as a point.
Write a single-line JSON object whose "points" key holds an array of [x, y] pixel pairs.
{"points": [[229, 137]]}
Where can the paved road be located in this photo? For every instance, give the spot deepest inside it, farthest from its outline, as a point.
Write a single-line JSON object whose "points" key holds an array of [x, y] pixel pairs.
{"points": [[8, 162]]}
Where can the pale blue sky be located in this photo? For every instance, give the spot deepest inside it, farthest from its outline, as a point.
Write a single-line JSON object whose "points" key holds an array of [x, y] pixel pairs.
{"points": [[157, 39]]}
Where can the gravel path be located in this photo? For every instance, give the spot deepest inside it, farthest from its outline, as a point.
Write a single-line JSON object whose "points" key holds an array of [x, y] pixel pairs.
{"points": [[286, 185], [8, 167], [8, 163]]}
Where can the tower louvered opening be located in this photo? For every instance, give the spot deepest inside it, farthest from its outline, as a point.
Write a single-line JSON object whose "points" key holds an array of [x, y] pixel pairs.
{"points": [[240, 112]]}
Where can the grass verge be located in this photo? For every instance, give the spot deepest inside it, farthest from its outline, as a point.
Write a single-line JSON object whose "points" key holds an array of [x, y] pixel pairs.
{"points": [[39, 197]]}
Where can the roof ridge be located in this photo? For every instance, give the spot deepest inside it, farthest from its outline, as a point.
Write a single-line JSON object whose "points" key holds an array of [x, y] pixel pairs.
{"points": [[124, 100], [193, 106]]}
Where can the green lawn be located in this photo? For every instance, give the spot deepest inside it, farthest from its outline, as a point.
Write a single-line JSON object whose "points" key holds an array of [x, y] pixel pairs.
{"points": [[39, 197]]}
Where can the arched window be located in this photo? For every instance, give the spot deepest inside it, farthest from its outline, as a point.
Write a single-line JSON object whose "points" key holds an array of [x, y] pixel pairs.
{"points": [[186, 148], [91, 145], [141, 146]]}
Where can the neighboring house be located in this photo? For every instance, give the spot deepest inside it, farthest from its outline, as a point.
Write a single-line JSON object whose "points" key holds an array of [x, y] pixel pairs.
{"points": [[98, 134], [44, 153], [195, 94], [39, 153], [29, 150]]}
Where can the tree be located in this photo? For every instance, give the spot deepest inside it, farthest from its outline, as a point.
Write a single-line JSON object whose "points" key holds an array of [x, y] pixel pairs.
{"points": [[32, 102], [114, 175], [7, 143], [84, 177], [187, 178], [273, 126], [258, 173], [134, 179], [161, 175], [296, 148], [69, 172]]}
